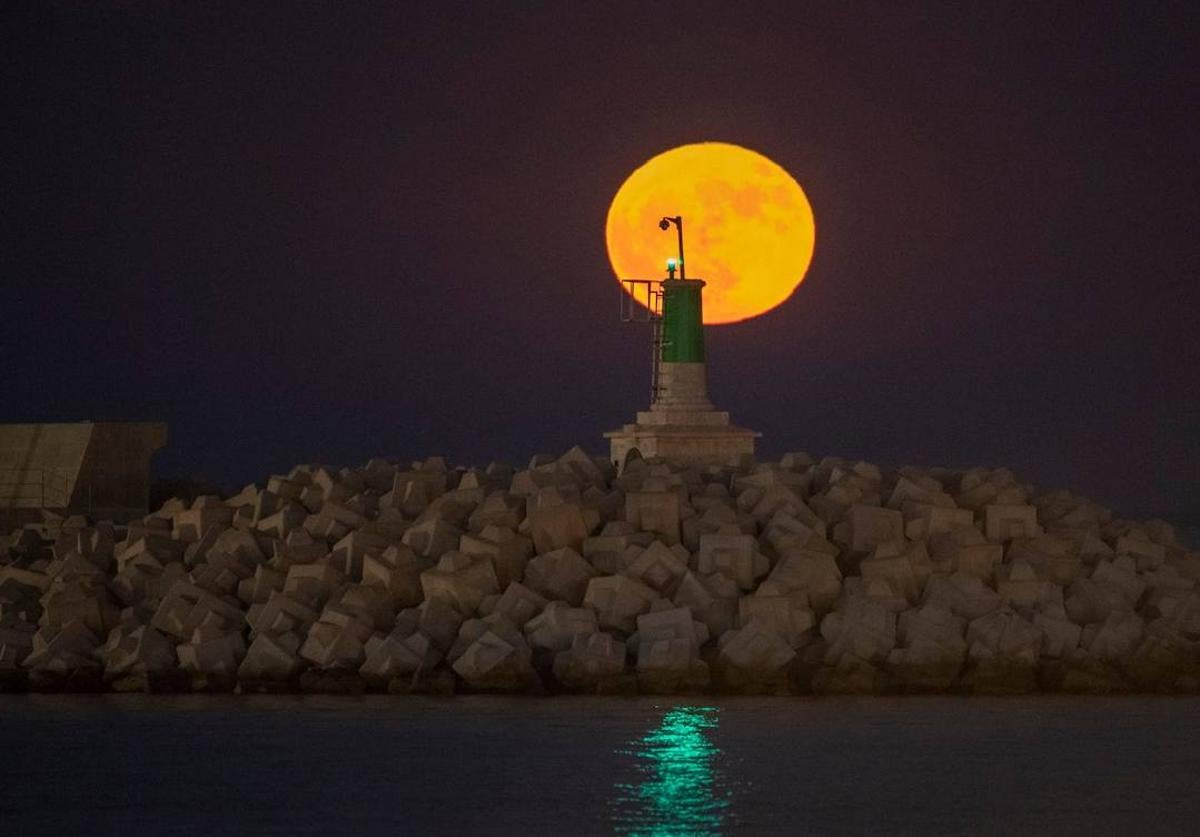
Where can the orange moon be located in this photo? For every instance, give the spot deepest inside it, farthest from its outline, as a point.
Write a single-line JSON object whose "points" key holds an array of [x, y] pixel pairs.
{"points": [[748, 229]]}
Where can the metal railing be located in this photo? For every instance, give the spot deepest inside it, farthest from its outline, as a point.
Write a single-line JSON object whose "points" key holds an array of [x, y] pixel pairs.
{"points": [[641, 302]]}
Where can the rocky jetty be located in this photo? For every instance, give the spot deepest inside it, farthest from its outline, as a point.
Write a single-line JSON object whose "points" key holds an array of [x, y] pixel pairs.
{"points": [[788, 577]]}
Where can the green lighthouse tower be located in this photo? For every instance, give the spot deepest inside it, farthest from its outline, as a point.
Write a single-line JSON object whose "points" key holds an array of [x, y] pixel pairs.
{"points": [[682, 423], [683, 321]]}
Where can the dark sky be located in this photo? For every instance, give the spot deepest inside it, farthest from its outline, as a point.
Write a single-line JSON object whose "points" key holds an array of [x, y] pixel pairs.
{"points": [[326, 231]]}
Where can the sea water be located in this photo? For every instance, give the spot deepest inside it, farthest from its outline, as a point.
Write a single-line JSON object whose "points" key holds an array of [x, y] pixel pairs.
{"points": [[204, 765]]}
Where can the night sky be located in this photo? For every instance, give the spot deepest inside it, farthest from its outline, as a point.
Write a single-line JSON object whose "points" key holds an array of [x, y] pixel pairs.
{"points": [[328, 231]]}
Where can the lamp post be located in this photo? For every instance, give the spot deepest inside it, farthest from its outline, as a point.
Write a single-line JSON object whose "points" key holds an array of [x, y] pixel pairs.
{"points": [[664, 225]]}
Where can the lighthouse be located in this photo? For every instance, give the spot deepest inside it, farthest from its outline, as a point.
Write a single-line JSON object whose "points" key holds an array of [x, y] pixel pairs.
{"points": [[682, 424]]}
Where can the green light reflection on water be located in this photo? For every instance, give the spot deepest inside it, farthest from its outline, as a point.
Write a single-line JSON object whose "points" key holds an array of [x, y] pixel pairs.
{"points": [[679, 793]]}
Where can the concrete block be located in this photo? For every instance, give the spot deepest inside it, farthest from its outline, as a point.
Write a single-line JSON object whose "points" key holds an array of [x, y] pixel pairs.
{"points": [[280, 615], [925, 666], [670, 623], [659, 566], [753, 653], [1089, 601], [618, 601], [850, 675], [221, 574], [667, 666], [336, 644], [963, 595], [396, 570], [979, 560], [1018, 586], [461, 580], [859, 628], [508, 551], [1146, 554], [655, 511], [816, 574], [871, 526], [558, 626], [187, 608], [370, 605], [1060, 636], [350, 551], [212, 652], [712, 599], [897, 571], [592, 660], [62, 649], [271, 657], [1121, 574], [136, 649], [1005, 522], [399, 656], [924, 520], [557, 527], [519, 604], [190, 525], [787, 615], [312, 584], [16, 644], [494, 663], [1006, 635], [785, 532], [1116, 638], [735, 556], [432, 538], [559, 575], [241, 545], [258, 588]]}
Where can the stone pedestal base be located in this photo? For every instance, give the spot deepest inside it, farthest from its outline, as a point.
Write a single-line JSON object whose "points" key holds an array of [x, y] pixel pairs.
{"points": [[701, 437]]}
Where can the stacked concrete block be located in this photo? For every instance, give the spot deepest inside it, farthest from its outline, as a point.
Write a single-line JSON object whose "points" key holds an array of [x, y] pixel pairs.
{"points": [[461, 580], [1004, 522], [187, 608], [930, 648], [432, 538], [508, 551], [656, 511], [659, 566], [618, 601], [133, 649], [592, 662], [1003, 651], [560, 575], [872, 526], [398, 655], [787, 615], [735, 556], [337, 640], [833, 575], [754, 656], [496, 662], [559, 526], [396, 570], [558, 626], [212, 655], [815, 574], [63, 650], [859, 628], [517, 603]]}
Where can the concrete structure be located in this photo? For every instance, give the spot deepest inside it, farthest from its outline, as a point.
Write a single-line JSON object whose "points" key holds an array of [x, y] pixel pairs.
{"points": [[682, 423], [98, 469], [723, 588]]}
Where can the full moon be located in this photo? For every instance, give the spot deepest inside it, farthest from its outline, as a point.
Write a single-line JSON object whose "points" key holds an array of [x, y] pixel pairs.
{"points": [[748, 226]]}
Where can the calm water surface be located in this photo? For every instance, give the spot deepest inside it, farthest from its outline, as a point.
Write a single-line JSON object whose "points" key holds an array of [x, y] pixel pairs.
{"points": [[126, 765]]}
